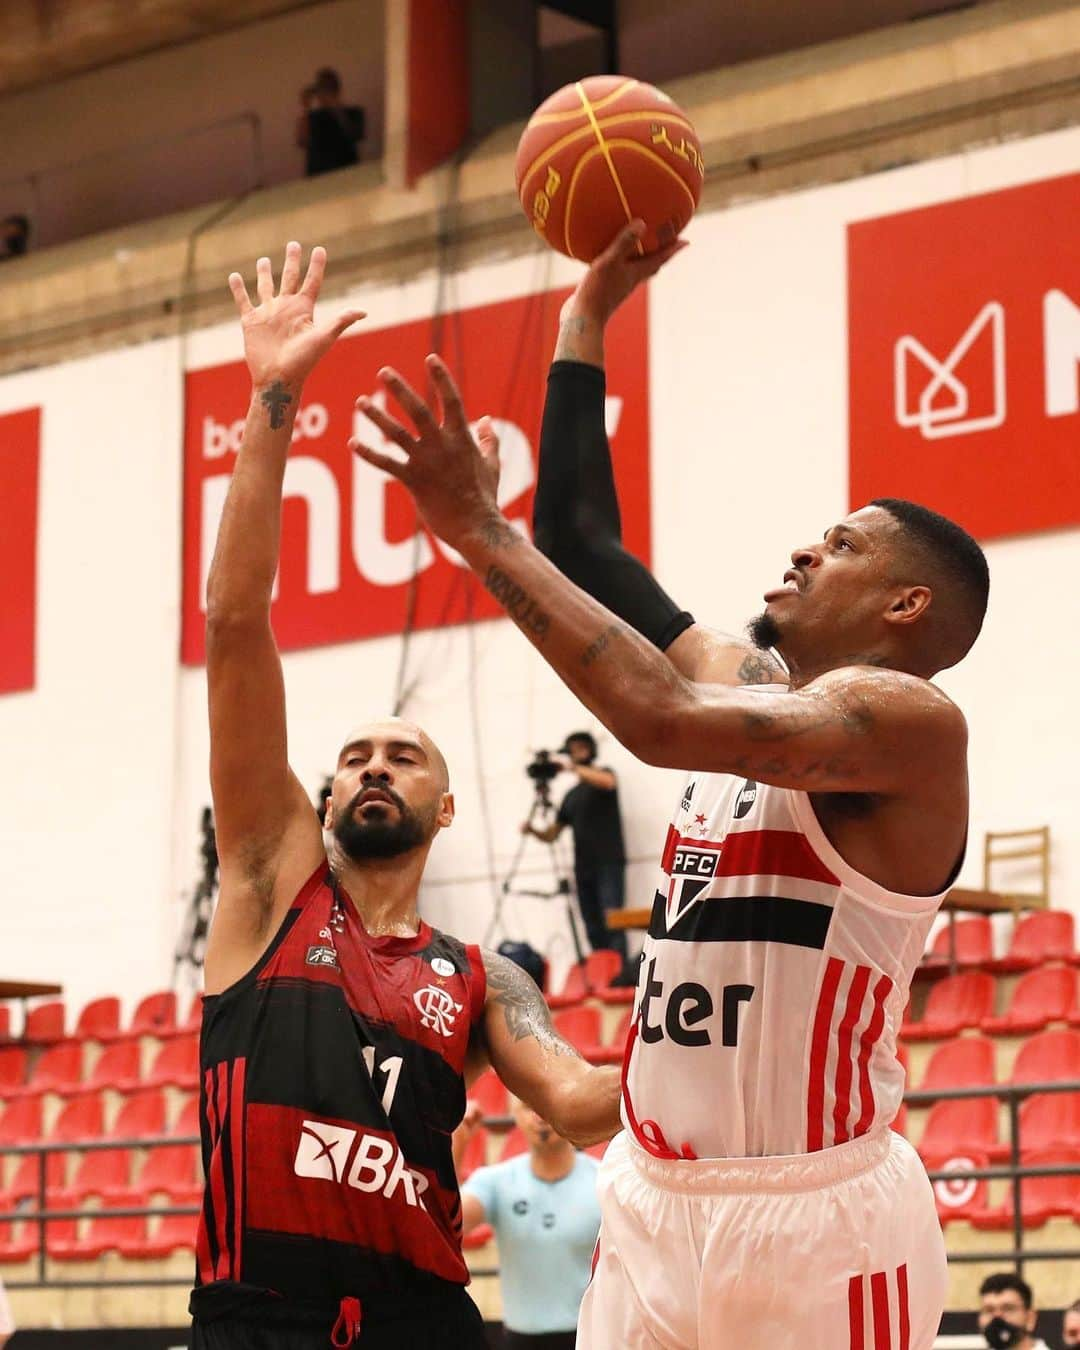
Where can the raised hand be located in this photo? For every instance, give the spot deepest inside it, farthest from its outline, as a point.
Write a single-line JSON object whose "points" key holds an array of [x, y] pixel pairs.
{"points": [[616, 272], [452, 476], [281, 342]]}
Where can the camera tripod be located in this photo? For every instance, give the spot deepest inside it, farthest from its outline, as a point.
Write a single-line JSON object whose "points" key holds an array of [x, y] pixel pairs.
{"points": [[540, 813]]}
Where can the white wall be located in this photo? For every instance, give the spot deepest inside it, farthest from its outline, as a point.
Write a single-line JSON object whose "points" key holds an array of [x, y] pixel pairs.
{"points": [[98, 169], [105, 764]]}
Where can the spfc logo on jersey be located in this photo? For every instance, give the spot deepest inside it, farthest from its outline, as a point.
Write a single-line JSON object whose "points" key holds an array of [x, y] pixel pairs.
{"points": [[437, 1009], [691, 872]]}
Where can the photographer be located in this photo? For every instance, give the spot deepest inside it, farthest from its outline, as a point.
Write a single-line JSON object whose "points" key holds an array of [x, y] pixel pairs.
{"points": [[326, 128], [591, 809]]}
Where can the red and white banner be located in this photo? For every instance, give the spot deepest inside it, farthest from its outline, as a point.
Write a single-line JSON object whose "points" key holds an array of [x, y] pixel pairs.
{"points": [[19, 442], [964, 332], [354, 562]]}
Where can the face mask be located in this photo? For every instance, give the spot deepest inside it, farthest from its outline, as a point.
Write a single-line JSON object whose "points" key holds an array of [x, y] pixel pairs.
{"points": [[1001, 1334]]}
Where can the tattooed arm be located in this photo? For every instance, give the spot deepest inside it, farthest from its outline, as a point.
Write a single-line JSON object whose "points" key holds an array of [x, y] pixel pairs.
{"points": [[262, 814], [580, 1100], [858, 729]]}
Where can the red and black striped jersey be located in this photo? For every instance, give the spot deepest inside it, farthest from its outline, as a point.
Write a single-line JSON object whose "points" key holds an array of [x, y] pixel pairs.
{"points": [[332, 1080], [773, 983]]}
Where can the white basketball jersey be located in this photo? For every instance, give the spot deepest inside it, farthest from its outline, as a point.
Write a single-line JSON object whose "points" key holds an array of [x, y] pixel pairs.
{"points": [[773, 982]]}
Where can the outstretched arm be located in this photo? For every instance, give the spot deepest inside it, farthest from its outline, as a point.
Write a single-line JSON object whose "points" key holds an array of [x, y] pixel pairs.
{"points": [[268, 835], [859, 729], [576, 520], [580, 1100]]}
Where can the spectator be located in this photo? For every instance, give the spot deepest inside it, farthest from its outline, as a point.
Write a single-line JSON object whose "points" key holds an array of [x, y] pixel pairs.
{"points": [[1071, 1326], [543, 1208], [7, 1324], [591, 809], [15, 236], [1007, 1313], [326, 128]]}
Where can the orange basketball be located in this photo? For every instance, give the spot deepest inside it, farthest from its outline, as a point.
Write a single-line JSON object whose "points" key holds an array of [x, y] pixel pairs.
{"points": [[600, 152]]}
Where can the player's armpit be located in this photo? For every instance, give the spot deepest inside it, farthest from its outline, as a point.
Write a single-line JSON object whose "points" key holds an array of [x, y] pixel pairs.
{"points": [[707, 656], [852, 730], [580, 1100]]}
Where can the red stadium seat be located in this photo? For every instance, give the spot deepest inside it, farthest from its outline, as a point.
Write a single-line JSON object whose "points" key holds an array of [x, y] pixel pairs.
{"points": [[174, 1233], [117, 1068], [954, 1127], [601, 967], [581, 1027], [480, 1236], [974, 943], [966, 1062], [514, 1143], [187, 1119], [172, 1170], [18, 1239], [13, 1060], [963, 1197], [958, 1001], [1041, 1198], [612, 1052], [98, 1021], [80, 1120], [1040, 996], [142, 1116], [491, 1094], [58, 1070], [1048, 935], [1051, 1057], [26, 1179], [104, 1172], [45, 1023], [155, 1015], [21, 1121], [5, 1021], [176, 1064], [574, 989], [1050, 1120], [103, 1234]]}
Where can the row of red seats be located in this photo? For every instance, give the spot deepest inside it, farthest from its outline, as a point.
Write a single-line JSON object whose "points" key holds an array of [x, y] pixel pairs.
{"points": [[592, 978], [155, 1015], [966, 1000], [172, 1168], [1047, 1120], [1037, 939], [132, 1237], [60, 1069], [1041, 1198]]}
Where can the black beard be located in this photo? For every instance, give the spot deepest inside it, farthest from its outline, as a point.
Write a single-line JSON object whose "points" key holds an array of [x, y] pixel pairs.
{"points": [[379, 838], [763, 632]]}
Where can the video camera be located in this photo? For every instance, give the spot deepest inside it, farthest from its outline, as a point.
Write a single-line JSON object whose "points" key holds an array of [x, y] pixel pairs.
{"points": [[542, 768]]}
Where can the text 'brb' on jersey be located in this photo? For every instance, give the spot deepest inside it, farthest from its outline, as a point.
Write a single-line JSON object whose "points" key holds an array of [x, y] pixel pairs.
{"points": [[773, 982], [332, 1080]]}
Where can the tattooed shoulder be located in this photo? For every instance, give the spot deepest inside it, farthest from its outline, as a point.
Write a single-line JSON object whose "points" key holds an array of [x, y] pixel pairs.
{"points": [[758, 668], [524, 1012]]}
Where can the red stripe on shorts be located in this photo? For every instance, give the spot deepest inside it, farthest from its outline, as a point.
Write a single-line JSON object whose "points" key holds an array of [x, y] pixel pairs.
{"points": [[819, 1053], [902, 1299], [855, 1312], [879, 1298]]}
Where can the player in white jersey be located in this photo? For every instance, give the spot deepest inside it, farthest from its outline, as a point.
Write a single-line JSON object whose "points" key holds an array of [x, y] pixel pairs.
{"points": [[757, 1199]]}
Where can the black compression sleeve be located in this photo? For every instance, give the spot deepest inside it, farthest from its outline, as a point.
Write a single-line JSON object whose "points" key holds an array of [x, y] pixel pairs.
{"points": [[576, 516]]}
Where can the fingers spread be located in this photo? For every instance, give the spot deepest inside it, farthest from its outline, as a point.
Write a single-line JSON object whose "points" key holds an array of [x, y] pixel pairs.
{"points": [[390, 427], [453, 411], [316, 267], [410, 400], [239, 293], [379, 458], [264, 279], [290, 273]]}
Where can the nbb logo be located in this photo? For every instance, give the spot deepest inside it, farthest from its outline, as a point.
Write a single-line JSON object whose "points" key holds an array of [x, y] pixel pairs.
{"points": [[354, 561], [19, 434], [964, 332]]}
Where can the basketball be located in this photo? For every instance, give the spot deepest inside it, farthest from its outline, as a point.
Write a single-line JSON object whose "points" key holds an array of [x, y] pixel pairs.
{"points": [[601, 152]]}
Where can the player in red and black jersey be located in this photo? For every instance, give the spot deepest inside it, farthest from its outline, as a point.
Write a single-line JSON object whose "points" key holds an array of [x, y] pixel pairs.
{"points": [[339, 1029]]}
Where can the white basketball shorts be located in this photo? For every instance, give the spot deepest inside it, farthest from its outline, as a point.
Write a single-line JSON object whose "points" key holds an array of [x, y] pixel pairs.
{"points": [[837, 1250]]}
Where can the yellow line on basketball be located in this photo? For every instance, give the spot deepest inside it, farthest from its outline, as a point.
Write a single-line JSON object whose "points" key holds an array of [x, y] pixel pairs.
{"points": [[611, 166], [541, 161], [543, 119]]}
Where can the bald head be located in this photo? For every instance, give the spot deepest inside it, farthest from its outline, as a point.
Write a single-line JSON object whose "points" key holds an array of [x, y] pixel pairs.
{"points": [[397, 732]]}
